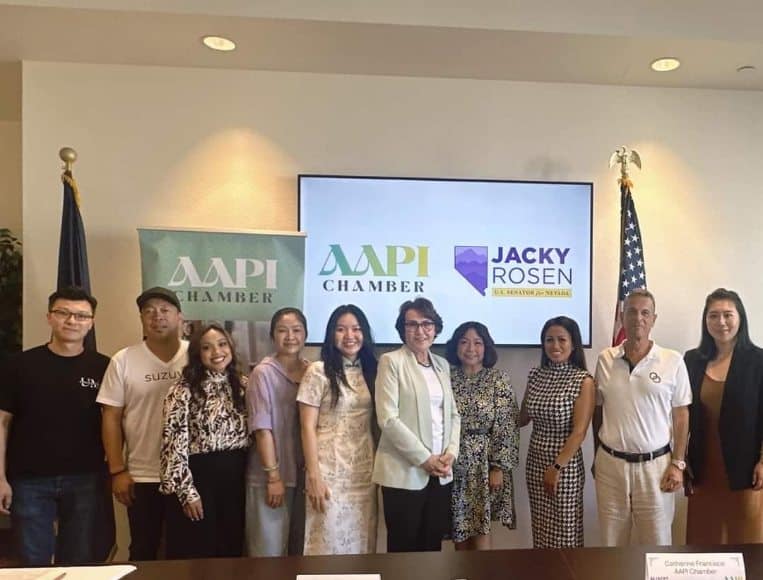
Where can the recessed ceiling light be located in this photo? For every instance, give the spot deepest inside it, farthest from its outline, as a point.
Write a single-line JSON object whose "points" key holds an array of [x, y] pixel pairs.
{"points": [[665, 64], [219, 43]]}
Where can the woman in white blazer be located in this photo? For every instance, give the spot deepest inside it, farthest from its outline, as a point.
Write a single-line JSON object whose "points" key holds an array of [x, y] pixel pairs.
{"points": [[420, 430]]}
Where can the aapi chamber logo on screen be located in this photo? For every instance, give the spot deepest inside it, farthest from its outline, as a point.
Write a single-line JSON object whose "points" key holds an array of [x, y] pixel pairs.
{"points": [[516, 272], [375, 269]]}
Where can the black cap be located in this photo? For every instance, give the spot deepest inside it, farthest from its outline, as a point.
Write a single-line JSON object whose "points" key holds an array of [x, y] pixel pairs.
{"points": [[161, 293]]}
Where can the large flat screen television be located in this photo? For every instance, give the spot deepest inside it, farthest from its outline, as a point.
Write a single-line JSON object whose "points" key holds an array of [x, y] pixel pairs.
{"points": [[509, 254]]}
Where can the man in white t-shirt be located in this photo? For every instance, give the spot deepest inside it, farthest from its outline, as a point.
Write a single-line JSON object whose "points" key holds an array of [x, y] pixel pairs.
{"points": [[642, 396], [132, 396]]}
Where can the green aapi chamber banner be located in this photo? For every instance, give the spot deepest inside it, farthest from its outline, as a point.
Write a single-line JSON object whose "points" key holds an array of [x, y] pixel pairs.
{"points": [[238, 278]]}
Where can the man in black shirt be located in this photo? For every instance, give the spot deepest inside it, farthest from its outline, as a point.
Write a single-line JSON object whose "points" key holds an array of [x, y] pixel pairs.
{"points": [[51, 456]]}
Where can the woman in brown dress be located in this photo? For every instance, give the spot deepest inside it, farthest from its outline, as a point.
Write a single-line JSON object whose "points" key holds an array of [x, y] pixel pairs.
{"points": [[726, 425]]}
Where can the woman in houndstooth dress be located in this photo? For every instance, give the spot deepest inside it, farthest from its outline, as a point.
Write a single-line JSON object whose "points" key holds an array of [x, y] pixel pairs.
{"points": [[559, 401]]}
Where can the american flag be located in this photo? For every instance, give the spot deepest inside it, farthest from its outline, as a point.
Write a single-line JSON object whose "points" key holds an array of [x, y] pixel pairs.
{"points": [[73, 271], [632, 269], [72, 249]]}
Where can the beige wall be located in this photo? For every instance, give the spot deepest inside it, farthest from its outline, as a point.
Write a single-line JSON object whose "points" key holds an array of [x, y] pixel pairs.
{"points": [[10, 170], [10, 147], [221, 149]]}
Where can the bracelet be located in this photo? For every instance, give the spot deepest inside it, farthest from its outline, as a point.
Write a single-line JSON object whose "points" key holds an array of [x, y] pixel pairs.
{"points": [[118, 472], [557, 466], [269, 469], [273, 480]]}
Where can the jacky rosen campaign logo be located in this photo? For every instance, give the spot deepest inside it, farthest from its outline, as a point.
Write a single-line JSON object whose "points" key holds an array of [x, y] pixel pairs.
{"points": [[539, 272], [471, 263]]}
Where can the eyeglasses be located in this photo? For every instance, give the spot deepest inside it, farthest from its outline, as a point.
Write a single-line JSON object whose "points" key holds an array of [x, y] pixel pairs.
{"points": [[413, 325], [64, 315]]}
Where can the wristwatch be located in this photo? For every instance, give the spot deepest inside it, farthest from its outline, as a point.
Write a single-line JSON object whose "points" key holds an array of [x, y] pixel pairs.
{"points": [[557, 466], [679, 463]]}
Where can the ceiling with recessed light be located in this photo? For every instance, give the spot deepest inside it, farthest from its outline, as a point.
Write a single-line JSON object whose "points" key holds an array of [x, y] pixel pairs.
{"points": [[585, 41]]}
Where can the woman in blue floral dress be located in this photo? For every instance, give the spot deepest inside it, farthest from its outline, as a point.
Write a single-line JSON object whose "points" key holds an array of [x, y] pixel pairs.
{"points": [[483, 488]]}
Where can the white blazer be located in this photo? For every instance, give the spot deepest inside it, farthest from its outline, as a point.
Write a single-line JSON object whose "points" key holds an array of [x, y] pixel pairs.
{"points": [[404, 413]]}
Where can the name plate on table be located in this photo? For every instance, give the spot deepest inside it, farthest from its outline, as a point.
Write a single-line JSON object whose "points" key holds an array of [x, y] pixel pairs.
{"points": [[723, 566], [338, 576]]}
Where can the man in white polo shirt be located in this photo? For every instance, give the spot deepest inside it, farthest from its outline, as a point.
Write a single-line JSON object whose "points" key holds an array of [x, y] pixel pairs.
{"points": [[132, 395], [643, 398]]}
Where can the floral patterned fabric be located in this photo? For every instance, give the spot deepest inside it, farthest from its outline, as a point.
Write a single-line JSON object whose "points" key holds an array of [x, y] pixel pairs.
{"points": [[346, 460], [489, 437], [192, 426]]}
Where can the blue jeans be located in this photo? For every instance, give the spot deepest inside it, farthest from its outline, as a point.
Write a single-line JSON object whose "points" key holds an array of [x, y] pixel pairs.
{"points": [[38, 502]]}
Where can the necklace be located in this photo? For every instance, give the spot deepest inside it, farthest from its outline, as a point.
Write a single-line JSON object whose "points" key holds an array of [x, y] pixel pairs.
{"points": [[424, 364]]}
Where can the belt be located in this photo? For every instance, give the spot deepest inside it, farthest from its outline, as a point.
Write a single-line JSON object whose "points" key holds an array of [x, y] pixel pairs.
{"points": [[636, 457]]}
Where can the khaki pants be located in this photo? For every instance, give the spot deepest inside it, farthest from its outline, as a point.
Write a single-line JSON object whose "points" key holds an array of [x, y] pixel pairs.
{"points": [[628, 497]]}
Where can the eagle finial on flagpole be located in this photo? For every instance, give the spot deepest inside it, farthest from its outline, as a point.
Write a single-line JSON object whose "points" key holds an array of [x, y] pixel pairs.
{"points": [[622, 157], [68, 156]]}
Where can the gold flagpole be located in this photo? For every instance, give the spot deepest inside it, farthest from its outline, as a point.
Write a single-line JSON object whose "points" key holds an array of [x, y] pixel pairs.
{"points": [[68, 156], [623, 156]]}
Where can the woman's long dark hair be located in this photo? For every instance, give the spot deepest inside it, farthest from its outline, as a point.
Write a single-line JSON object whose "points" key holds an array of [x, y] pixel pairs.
{"points": [[333, 365], [577, 356], [707, 348], [194, 372]]}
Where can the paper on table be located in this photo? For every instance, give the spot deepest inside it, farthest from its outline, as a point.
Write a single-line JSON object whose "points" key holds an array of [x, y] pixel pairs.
{"points": [[689, 565], [67, 573], [31, 573]]}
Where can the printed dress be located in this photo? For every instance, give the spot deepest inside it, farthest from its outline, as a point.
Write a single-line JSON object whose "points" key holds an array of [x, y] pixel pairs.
{"points": [[552, 390], [346, 461], [489, 438]]}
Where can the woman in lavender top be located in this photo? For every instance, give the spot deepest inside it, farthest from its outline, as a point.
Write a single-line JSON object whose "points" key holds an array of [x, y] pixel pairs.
{"points": [[274, 508]]}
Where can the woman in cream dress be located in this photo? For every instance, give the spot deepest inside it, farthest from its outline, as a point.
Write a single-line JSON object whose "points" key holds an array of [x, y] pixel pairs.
{"points": [[336, 407]]}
